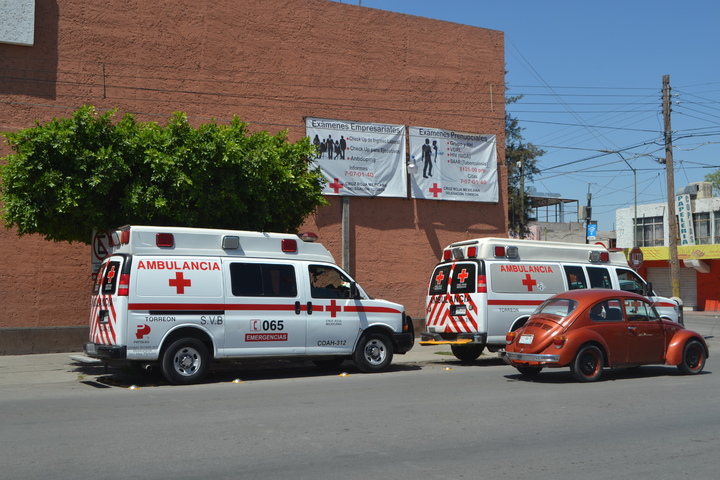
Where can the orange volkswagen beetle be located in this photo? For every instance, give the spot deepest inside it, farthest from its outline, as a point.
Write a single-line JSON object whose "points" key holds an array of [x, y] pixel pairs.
{"points": [[590, 329]]}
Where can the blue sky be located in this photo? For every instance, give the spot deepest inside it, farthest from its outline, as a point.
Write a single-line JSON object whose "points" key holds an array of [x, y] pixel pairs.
{"points": [[591, 78]]}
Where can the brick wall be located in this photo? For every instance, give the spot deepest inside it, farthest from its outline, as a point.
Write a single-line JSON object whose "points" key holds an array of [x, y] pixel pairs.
{"points": [[271, 63]]}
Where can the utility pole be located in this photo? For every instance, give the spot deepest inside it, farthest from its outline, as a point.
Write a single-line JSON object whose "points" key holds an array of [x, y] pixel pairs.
{"points": [[522, 199], [672, 220]]}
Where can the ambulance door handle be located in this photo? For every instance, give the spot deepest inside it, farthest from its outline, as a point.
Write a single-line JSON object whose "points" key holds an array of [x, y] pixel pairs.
{"points": [[297, 308], [309, 305]]}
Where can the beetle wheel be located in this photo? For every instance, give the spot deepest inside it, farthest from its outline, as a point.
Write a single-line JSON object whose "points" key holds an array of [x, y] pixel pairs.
{"points": [[588, 364], [693, 359]]}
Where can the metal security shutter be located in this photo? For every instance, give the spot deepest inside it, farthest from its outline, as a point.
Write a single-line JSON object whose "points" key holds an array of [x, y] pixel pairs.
{"points": [[660, 278]]}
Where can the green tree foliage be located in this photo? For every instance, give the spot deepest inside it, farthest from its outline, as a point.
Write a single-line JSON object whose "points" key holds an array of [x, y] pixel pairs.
{"points": [[521, 160], [714, 178], [73, 175]]}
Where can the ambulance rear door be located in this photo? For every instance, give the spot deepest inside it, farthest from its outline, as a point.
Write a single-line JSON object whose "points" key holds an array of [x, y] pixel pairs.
{"points": [[456, 298], [266, 307], [108, 312]]}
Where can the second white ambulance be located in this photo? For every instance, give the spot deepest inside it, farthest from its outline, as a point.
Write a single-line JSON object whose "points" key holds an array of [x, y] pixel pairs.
{"points": [[179, 298], [484, 288]]}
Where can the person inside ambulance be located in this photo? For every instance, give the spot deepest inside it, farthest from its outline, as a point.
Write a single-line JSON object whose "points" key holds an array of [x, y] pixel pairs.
{"points": [[327, 282]]}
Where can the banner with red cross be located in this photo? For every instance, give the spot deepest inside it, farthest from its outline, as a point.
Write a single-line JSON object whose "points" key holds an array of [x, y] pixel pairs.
{"points": [[359, 159], [451, 165]]}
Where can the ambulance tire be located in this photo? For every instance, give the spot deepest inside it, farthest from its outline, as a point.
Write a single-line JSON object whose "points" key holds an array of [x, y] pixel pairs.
{"points": [[185, 361], [373, 353], [467, 353]]}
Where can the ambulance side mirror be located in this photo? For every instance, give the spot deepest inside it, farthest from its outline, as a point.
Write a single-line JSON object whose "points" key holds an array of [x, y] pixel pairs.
{"points": [[354, 292], [648, 290]]}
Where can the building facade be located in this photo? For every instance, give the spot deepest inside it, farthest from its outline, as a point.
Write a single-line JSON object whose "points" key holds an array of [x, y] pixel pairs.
{"points": [[273, 64], [698, 244]]}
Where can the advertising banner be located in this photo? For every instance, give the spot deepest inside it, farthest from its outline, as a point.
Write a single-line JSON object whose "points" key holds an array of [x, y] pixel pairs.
{"points": [[453, 165], [359, 159], [686, 230]]}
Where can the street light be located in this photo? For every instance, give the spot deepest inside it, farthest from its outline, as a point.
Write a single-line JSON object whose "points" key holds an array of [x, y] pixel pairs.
{"points": [[635, 218]]}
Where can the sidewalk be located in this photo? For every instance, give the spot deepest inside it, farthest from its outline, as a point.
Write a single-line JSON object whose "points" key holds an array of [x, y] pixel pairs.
{"points": [[75, 367]]}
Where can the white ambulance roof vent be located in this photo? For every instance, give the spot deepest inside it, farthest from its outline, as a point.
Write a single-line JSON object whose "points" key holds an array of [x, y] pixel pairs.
{"points": [[230, 242]]}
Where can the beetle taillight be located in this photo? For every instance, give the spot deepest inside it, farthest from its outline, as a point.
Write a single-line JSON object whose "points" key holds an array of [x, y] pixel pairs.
{"points": [[559, 341], [124, 285], [510, 337]]}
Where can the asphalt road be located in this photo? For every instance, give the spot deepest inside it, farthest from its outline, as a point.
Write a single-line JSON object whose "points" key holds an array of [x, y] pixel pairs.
{"points": [[428, 417]]}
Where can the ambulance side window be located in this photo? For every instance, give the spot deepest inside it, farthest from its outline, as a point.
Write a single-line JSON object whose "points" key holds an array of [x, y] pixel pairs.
{"points": [[630, 281], [464, 278], [439, 280], [575, 277], [328, 282], [262, 280], [599, 277]]}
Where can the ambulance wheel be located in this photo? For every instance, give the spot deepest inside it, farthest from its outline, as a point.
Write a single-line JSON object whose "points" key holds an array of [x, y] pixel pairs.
{"points": [[185, 361], [374, 353], [467, 353]]}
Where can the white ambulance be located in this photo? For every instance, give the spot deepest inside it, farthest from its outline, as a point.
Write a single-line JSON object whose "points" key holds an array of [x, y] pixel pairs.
{"points": [[486, 287], [179, 298]]}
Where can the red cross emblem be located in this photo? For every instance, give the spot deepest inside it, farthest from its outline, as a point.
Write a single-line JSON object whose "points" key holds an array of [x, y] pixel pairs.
{"points": [[435, 190], [179, 282], [111, 274], [462, 276], [529, 282], [440, 277], [336, 185], [333, 308]]}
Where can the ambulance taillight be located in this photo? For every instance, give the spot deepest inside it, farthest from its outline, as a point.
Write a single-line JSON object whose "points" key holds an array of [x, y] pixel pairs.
{"points": [[472, 252], [289, 245], [509, 252], [447, 255], [124, 285], [482, 284], [597, 256], [165, 240]]}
